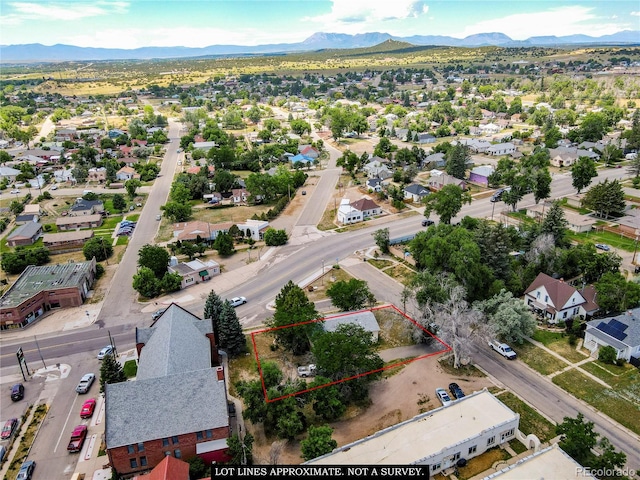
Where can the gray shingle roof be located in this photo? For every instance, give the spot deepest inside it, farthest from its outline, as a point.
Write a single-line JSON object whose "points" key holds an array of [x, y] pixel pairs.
{"points": [[176, 345], [27, 230], [365, 319], [143, 410], [630, 336]]}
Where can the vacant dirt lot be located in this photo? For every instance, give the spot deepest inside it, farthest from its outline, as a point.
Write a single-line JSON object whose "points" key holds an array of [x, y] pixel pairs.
{"points": [[395, 399]]}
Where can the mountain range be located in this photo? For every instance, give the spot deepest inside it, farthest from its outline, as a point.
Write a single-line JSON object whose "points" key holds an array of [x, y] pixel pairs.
{"points": [[36, 52]]}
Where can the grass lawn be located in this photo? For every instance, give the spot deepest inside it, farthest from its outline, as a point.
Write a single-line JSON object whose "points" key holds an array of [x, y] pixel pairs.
{"points": [[608, 400], [111, 222], [401, 272], [321, 284], [530, 420], [610, 238], [327, 222], [559, 343], [122, 240], [538, 359], [395, 330], [380, 264], [482, 463], [130, 368]]}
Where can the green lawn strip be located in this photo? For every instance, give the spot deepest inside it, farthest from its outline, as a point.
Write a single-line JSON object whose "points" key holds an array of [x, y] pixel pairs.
{"points": [[530, 420], [130, 368], [538, 359], [380, 264], [610, 238], [607, 400], [111, 222], [123, 240], [559, 343]]}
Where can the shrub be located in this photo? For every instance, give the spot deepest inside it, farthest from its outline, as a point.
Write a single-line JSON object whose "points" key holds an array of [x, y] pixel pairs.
{"points": [[608, 354]]}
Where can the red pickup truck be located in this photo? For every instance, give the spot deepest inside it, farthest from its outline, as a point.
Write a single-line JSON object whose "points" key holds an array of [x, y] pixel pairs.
{"points": [[77, 438]]}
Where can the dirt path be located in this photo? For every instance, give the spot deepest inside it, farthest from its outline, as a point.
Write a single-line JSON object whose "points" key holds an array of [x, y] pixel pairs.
{"points": [[395, 399]]}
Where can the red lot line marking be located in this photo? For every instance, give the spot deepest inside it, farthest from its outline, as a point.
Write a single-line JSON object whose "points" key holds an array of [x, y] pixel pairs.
{"points": [[446, 348]]}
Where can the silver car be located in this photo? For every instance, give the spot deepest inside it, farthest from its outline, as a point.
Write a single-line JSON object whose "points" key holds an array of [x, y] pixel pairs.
{"points": [[85, 382]]}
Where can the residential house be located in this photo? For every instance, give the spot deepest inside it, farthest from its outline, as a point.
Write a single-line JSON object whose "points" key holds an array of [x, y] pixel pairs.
{"points": [[435, 160], [567, 156], [300, 158], [621, 332], [82, 221], [436, 182], [364, 318], [309, 151], [254, 228], [575, 222], [9, 174], [128, 161], [25, 218], [368, 207], [32, 208], [126, 173], [555, 300], [466, 428], [415, 192], [377, 168], [348, 214], [65, 242], [375, 184], [26, 234], [194, 271], [480, 174], [489, 129], [40, 289], [191, 231], [98, 175], [61, 176], [177, 406], [86, 207], [205, 146], [498, 149], [475, 145], [425, 137]]}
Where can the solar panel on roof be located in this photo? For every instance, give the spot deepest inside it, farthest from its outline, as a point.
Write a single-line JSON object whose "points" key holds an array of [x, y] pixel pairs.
{"points": [[613, 330], [618, 325]]}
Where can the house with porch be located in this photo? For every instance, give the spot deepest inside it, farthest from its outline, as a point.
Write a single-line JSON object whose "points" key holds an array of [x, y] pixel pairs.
{"points": [[555, 300], [195, 271], [436, 182], [75, 223], [480, 174], [415, 192]]}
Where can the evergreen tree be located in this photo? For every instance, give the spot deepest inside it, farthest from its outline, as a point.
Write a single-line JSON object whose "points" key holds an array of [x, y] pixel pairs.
{"points": [[293, 308], [212, 309], [555, 224], [231, 337], [111, 372], [224, 244], [456, 158]]}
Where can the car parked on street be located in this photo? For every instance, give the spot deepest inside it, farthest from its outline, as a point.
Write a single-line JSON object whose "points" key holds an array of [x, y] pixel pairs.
{"points": [[602, 246], [427, 222], [17, 392], [237, 301], [9, 428], [444, 397], [456, 391], [85, 382], [108, 350], [87, 408], [156, 315], [26, 470]]}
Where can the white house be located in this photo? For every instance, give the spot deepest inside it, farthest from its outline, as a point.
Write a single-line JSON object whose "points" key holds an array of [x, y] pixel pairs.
{"points": [[439, 438], [126, 173], [498, 149], [557, 301], [348, 214], [415, 192], [9, 173], [195, 271], [254, 228], [368, 207], [377, 169], [621, 332]]}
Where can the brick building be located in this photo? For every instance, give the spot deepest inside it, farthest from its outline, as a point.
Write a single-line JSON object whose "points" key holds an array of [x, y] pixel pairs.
{"points": [[64, 242], [177, 406], [40, 289]]}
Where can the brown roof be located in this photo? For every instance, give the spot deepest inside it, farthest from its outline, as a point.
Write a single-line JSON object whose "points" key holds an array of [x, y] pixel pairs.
{"points": [[364, 204], [170, 468], [559, 291], [190, 230], [79, 219], [67, 236]]}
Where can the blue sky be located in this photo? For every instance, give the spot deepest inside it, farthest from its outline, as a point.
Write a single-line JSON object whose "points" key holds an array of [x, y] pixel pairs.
{"points": [[198, 23]]}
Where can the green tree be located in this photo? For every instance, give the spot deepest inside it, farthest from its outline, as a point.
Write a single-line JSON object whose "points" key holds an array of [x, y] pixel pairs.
{"points": [[212, 309], [97, 247], [541, 180], [348, 352], [171, 282], [300, 127], [119, 203], [555, 224], [273, 237], [131, 186], [608, 354], [318, 442], [197, 467], [447, 202], [240, 450], [616, 294], [381, 238], [327, 402], [456, 161], [177, 212], [231, 337], [293, 311], [17, 261], [146, 283], [508, 316], [352, 294], [16, 207], [155, 258], [582, 172], [606, 198], [111, 372], [224, 244]]}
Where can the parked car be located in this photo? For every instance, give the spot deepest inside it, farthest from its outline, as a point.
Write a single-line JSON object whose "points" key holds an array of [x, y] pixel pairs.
{"points": [[427, 222], [304, 192], [3, 452], [155, 315], [87, 408], [108, 350], [443, 396], [17, 392], [85, 382], [602, 246], [456, 391], [26, 470], [9, 428], [231, 407], [54, 187], [16, 192], [237, 301]]}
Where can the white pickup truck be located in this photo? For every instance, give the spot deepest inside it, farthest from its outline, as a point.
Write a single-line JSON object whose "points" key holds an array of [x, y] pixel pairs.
{"points": [[307, 371], [503, 349]]}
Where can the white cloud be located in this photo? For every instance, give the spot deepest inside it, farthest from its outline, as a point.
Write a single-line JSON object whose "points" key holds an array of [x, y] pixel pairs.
{"points": [[635, 14], [559, 21], [358, 15], [62, 11]]}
